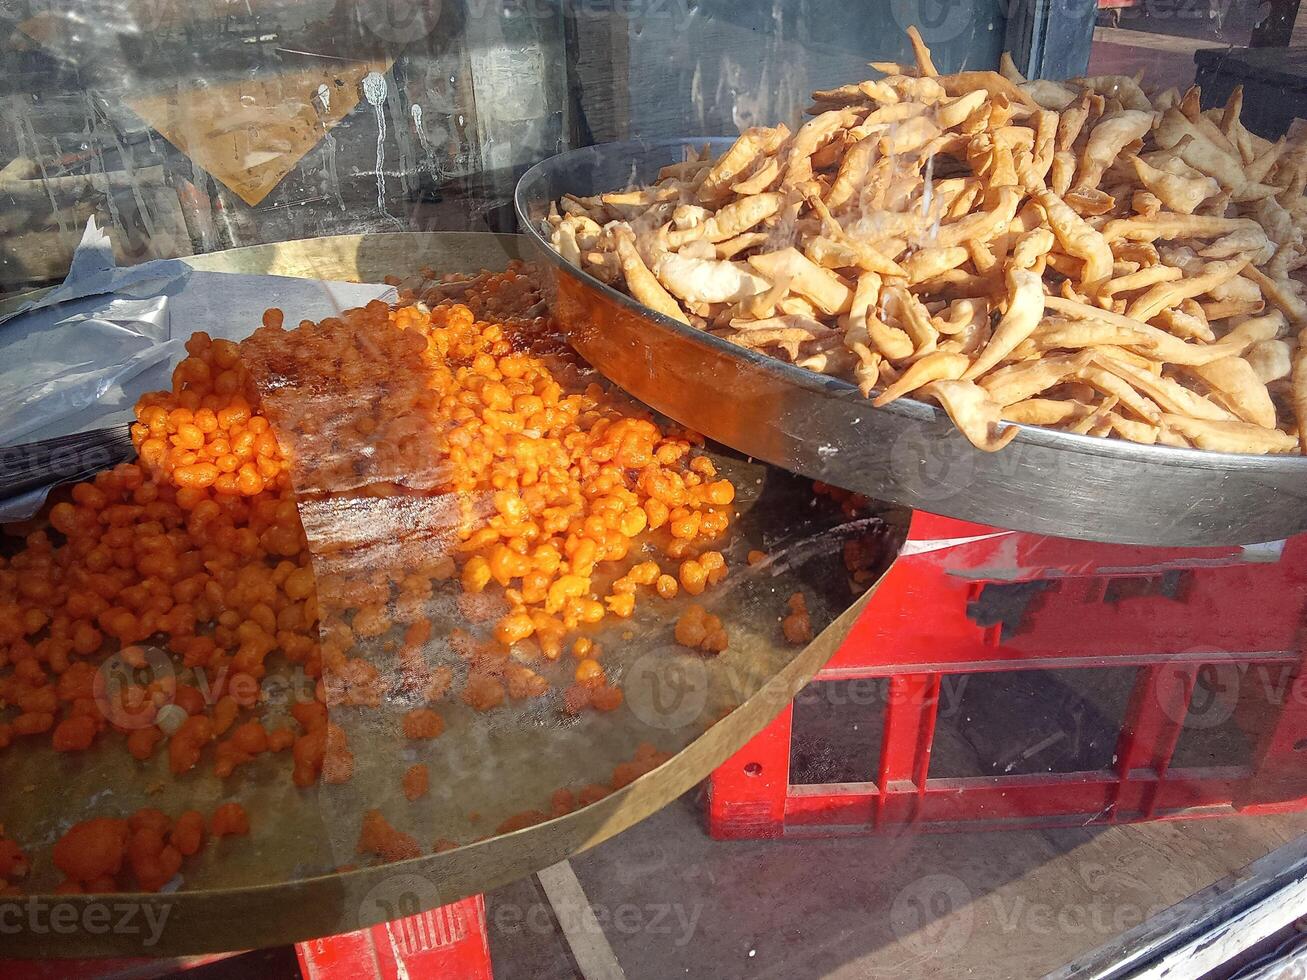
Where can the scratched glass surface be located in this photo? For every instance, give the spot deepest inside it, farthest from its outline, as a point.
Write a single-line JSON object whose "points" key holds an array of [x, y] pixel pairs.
{"points": [[186, 128], [1105, 683]]}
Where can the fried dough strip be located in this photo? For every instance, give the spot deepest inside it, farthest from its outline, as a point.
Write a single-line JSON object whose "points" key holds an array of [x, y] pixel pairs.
{"points": [[936, 366], [1024, 311], [1167, 294], [974, 412], [753, 142], [820, 285], [1107, 139], [987, 81], [983, 225], [642, 283], [1170, 395], [1017, 382], [1165, 347], [1077, 237], [1231, 437], [925, 66], [1236, 386]]}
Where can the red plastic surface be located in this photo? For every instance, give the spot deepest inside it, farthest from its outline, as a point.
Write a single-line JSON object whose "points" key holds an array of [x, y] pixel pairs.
{"points": [[1166, 612], [448, 942]]}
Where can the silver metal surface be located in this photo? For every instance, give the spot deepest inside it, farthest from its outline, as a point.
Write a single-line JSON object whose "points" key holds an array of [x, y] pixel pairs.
{"points": [[907, 453]]}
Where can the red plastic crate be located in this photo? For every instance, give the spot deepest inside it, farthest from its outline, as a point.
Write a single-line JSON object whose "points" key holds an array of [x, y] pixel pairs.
{"points": [[1167, 613], [448, 942]]}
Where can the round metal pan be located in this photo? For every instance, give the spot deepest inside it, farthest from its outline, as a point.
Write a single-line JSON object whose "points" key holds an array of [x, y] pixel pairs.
{"points": [[276, 886], [907, 453]]}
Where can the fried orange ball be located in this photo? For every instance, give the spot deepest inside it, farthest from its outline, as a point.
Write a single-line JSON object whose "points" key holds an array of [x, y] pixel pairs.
{"points": [[416, 780], [796, 626], [700, 630], [188, 833], [153, 861], [483, 692], [92, 849], [378, 837], [229, 819], [423, 723]]}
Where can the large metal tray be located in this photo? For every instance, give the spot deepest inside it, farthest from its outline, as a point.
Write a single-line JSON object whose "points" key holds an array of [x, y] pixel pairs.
{"points": [[908, 453], [278, 886]]}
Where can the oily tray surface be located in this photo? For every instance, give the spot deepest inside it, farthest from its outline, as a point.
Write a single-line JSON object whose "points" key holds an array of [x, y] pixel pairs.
{"points": [[358, 683]]}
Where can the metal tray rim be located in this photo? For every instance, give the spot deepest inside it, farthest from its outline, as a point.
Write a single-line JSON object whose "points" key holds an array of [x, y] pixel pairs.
{"points": [[1034, 435], [249, 916]]}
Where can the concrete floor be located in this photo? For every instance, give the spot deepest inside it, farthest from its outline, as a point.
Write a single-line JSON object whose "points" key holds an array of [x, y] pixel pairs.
{"points": [[672, 902], [669, 901]]}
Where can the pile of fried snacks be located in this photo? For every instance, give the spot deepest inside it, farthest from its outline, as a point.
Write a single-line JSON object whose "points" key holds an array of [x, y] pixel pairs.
{"points": [[1078, 254], [142, 611]]}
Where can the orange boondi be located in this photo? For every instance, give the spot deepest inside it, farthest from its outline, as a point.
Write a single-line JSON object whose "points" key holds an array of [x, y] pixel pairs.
{"points": [[556, 482], [229, 819], [796, 626], [143, 608], [700, 630], [416, 780], [204, 432], [144, 852], [378, 837], [423, 723]]}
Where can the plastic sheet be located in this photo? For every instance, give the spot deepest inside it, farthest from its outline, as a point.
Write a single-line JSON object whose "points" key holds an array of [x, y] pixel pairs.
{"points": [[51, 379], [78, 357], [65, 350]]}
